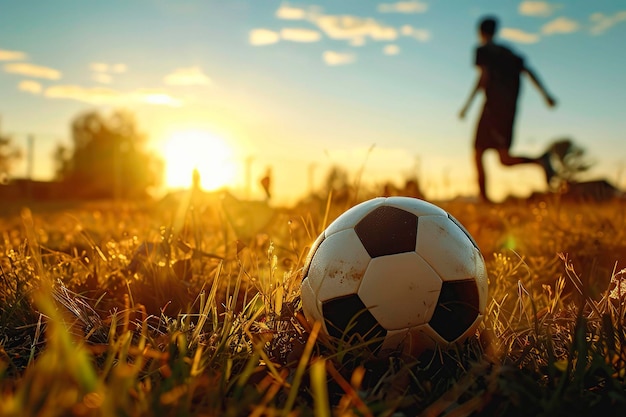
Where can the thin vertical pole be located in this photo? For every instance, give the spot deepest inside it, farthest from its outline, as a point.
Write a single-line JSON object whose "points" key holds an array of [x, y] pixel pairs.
{"points": [[30, 165], [248, 174], [117, 172]]}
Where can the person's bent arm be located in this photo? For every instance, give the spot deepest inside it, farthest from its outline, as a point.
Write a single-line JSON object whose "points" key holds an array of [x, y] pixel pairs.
{"points": [[535, 79], [481, 81]]}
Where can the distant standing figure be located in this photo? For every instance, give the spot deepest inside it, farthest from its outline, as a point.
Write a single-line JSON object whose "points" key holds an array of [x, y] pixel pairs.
{"points": [[266, 183], [195, 179], [499, 78]]}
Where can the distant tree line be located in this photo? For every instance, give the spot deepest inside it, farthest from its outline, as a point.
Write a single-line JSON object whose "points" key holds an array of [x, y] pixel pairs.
{"points": [[109, 158]]}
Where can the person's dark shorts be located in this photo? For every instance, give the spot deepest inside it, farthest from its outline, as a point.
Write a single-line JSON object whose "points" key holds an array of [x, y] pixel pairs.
{"points": [[495, 128]]}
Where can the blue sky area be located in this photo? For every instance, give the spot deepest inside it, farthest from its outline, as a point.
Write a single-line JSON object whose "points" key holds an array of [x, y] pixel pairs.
{"points": [[299, 86]]}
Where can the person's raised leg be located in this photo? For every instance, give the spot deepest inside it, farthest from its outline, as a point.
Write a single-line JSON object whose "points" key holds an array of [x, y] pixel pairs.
{"points": [[543, 161], [508, 160]]}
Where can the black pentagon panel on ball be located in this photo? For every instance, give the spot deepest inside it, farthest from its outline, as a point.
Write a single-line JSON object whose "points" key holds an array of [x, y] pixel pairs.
{"points": [[387, 231], [458, 223], [457, 308], [350, 316]]}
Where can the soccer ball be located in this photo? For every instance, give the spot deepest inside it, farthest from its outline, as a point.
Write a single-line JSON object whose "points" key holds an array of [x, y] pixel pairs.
{"points": [[400, 273]]}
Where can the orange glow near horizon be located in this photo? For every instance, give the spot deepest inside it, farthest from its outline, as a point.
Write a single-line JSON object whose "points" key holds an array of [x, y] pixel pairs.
{"points": [[187, 150]]}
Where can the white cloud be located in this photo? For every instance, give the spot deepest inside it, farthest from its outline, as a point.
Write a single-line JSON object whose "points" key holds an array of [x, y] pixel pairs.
{"points": [[537, 8], [156, 97], [30, 86], [103, 95], [99, 67], [288, 12], [347, 27], [31, 70], [403, 7], [102, 78], [12, 55], [560, 25], [300, 35], [187, 76], [108, 68], [422, 35], [118, 68], [338, 58], [95, 95], [103, 73], [519, 36], [391, 49], [260, 37], [601, 22]]}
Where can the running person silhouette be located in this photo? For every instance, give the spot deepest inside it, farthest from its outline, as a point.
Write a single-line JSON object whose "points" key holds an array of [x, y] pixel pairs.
{"points": [[499, 78]]}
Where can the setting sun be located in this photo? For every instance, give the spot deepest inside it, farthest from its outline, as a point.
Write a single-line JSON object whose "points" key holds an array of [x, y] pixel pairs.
{"points": [[196, 149]]}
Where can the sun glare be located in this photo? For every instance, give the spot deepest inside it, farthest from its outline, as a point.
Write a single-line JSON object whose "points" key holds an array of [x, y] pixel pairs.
{"points": [[197, 149]]}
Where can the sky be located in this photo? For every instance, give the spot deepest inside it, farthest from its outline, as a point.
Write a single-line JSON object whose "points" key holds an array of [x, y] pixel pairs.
{"points": [[372, 86]]}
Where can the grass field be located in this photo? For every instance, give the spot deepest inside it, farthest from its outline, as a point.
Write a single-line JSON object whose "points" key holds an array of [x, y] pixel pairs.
{"points": [[178, 309]]}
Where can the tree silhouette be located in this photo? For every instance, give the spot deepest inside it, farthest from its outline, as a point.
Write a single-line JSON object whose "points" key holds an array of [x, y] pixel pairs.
{"points": [[109, 158]]}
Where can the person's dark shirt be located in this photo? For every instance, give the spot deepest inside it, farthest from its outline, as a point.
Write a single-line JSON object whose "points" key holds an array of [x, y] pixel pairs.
{"points": [[503, 68]]}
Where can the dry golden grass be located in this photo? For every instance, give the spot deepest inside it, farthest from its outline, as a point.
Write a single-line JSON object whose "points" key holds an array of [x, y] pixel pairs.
{"points": [[191, 307]]}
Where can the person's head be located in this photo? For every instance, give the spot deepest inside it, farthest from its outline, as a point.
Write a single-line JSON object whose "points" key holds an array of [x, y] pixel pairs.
{"points": [[487, 28]]}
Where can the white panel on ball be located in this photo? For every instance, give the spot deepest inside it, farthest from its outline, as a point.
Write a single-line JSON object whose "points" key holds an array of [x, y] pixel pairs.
{"points": [[400, 290], [422, 338], [350, 218], [394, 339], [310, 305], [482, 281], [338, 265], [415, 206], [312, 250], [446, 248]]}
